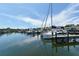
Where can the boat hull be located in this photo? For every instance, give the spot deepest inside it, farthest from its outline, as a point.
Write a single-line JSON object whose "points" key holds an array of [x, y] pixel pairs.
{"points": [[46, 36]]}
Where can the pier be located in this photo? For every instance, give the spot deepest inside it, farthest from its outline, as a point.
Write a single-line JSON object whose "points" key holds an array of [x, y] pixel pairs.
{"points": [[63, 35]]}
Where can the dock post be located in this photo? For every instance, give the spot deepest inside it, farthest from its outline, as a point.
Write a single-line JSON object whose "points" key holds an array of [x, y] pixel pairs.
{"points": [[52, 34], [56, 37], [68, 36]]}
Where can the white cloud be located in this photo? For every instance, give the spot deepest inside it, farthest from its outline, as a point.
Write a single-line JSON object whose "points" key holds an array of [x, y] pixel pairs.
{"points": [[65, 17], [34, 22], [28, 20]]}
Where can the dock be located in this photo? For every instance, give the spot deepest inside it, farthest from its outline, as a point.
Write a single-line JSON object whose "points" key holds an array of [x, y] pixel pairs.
{"points": [[64, 36]]}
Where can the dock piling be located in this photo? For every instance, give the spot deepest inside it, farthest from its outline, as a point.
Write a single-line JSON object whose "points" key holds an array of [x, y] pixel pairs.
{"points": [[56, 37], [68, 36]]}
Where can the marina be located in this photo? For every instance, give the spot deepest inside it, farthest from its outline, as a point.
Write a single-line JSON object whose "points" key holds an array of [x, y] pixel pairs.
{"points": [[39, 30]]}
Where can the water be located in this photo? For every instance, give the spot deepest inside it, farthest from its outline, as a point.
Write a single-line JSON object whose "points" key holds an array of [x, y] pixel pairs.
{"points": [[18, 44]]}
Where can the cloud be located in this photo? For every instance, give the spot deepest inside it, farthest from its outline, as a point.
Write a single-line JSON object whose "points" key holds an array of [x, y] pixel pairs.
{"points": [[10, 43], [65, 17], [34, 22], [30, 21]]}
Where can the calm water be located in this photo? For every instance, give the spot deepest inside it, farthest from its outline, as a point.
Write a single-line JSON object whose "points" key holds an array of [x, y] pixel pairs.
{"points": [[16, 44]]}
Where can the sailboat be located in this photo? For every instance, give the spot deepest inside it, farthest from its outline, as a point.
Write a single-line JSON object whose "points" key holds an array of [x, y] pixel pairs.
{"points": [[53, 29], [49, 33]]}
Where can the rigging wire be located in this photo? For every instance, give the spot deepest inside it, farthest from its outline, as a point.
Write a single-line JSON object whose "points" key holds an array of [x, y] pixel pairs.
{"points": [[45, 18]]}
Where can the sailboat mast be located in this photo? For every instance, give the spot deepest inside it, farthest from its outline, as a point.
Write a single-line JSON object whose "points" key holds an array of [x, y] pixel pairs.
{"points": [[51, 17], [51, 13]]}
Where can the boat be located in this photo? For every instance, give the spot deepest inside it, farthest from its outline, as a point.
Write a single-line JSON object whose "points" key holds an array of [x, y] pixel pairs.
{"points": [[47, 34]]}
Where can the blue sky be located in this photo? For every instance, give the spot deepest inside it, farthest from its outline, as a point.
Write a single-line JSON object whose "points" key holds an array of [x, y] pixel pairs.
{"points": [[11, 14], [65, 14], [31, 15], [58, 7]]}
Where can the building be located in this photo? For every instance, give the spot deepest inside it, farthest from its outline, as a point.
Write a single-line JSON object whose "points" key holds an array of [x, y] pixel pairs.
{"points": [[70, 27]]}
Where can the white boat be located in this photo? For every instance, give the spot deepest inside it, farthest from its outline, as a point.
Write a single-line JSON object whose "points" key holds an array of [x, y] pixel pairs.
{"points": [[49, 34], [46, 35]]}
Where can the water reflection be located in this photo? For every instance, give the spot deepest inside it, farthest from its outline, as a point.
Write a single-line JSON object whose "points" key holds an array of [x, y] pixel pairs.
{"points": [[23, 44], [62, 42]]}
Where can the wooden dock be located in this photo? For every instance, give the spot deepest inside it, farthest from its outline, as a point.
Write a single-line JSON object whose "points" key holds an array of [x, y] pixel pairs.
{"points": [[64, 36]]}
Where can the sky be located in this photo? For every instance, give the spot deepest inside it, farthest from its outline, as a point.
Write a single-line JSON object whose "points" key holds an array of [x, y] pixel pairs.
{"points": [[31, 15], [65, 13]]}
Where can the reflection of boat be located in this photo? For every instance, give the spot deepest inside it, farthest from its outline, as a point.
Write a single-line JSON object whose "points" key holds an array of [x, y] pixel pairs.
{"points": [[47, 42], [66, 44], [66, 41]]}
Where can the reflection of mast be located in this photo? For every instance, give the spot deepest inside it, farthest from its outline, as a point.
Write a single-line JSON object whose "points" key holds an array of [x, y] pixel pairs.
{"points": [[56, 49], [68, 48]]}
